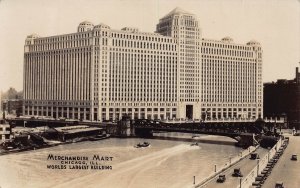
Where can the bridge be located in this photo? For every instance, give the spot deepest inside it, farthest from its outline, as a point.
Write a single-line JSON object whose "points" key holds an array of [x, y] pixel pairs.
{"points": [[246, 133]]}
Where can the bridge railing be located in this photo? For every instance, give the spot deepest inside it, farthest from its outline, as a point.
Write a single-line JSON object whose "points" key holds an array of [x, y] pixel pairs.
{"points": [[208, 120], [199, 130], [222, 127], [261, 164]]}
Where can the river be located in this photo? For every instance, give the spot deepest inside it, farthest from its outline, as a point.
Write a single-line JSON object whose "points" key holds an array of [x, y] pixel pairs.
{"points": [[166, 163]]}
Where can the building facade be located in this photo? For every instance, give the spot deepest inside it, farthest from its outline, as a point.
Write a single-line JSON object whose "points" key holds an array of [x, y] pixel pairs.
{"points": [[283, 99], [231, 84], [1, 108], [13, 106], [100, 73], [5, 132]]}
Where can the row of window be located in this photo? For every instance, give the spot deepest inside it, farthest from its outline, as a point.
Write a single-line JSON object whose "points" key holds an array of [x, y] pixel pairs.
{"points": [[227, 46], [57, 77]]}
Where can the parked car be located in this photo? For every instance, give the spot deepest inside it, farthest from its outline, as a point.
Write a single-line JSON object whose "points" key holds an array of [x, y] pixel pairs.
{"points": [[279, 185], [221, 178], [294, 157], [237, 172]]}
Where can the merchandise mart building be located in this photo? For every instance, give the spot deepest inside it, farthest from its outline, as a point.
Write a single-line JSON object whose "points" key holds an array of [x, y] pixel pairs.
{"points": [[99, 73]]}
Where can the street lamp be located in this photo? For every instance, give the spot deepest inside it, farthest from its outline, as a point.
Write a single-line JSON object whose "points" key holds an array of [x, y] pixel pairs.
{"points": [[257, 166], [241, 182]]}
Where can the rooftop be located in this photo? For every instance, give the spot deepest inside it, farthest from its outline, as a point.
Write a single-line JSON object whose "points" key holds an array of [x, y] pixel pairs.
{"points": [[177, 10], [76, 129]]}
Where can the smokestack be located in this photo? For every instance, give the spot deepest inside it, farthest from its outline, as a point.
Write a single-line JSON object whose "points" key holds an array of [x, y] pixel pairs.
{"points": [[297, 75]]}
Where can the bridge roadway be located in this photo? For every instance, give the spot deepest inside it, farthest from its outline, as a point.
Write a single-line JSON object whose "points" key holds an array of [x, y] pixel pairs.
{"points": [[232, 129], [246, 165], [228, 133], [286, 170]]}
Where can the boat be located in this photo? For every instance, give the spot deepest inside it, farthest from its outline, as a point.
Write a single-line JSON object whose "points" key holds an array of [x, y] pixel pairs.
{"points": [[99, 137], [195, 144], [143, 145]]}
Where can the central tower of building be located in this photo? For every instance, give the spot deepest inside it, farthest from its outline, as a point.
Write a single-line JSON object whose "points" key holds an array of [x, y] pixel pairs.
{"points": [[184, 28]]}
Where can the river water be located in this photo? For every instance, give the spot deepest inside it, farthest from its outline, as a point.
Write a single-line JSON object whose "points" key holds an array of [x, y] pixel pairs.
{"points": [[166, 163]]}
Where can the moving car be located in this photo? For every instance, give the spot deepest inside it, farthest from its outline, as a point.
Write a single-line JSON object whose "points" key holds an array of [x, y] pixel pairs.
{"points": [[221, 178], [237, 172], [254, 156]]}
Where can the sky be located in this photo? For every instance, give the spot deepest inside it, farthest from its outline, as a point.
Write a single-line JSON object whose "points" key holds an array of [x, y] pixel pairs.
{"points": [[274, 23]]}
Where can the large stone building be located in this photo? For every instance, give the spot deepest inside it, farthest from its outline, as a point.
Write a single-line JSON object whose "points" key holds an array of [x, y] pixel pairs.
{"points": [[282, 98], [12, 106], [99, 73]]}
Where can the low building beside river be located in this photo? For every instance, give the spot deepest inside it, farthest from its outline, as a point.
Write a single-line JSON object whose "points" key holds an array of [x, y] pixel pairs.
{"points": [[73, 132]]}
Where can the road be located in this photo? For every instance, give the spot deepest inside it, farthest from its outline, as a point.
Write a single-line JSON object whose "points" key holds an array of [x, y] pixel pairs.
{"points": [[246, 165], [286, 170]]}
